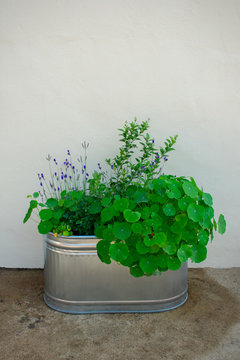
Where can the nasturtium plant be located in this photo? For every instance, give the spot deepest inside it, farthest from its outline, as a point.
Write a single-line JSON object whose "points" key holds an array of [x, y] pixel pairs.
{"points": [[145, 220]]}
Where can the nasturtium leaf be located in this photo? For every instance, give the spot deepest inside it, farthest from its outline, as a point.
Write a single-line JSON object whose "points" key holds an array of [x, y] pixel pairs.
{"points": [[148, 241], [184, 252], [45, 227], [174, 238], [188, 235], [121, 230], [35, 194], [106, 201], [215, 224], [103, 251], [142, 248], [154, 249], [195, 212], [52, 202], [136, 271], [207, 198], [199, 253], [162, 261], [154, 208], [108, 235], [176, 228], [58, 214], [169, 209], [140, 196], [174, 193], [159, 184], [95, 208], [203, 237], [184, 202], [131, 216], [209, 211], [120, 204], [160, 238], [170, 248], [146, 228], [148, 264], [221, 224], [181, 220], [128, 261], [107, 214], [173, 263], [77, 195], [118, 251], [190, 189], [136, 228], [145, 213], [205, 221], [46, 214], [61, 202], [33, 204], [69, 202]]}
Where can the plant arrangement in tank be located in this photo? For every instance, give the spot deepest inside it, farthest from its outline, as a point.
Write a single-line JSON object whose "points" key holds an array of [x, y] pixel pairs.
{"points": [[145, 220]]}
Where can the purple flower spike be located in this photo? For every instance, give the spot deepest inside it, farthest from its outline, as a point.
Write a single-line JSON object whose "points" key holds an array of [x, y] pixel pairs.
{"points": [[42, 176], [153, 141], [58, 188], [62, 177], [87, 174], [65, 176], [165, 158], [68, 152], [41, 184], [70, 177]]}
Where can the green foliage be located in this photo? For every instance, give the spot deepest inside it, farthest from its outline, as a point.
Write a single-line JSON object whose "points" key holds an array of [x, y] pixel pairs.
{"points": [[145, 220]]}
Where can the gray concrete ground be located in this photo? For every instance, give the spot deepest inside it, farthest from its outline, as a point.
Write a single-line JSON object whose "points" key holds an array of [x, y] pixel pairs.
{"points": [[206, 327]]}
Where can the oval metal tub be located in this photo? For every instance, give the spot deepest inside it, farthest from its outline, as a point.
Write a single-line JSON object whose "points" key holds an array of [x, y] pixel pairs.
{"points": [[76, 281]]}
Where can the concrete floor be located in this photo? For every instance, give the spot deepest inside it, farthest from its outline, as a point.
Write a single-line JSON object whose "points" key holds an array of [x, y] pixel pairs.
{"points": [[206, 327]]}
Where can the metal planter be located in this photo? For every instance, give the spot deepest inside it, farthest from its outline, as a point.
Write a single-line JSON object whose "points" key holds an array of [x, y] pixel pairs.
{"points": [[76, 281]]}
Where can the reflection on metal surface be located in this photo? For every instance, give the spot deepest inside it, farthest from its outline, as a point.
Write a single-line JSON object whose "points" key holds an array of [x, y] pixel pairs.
{"points": [[76, 281]]}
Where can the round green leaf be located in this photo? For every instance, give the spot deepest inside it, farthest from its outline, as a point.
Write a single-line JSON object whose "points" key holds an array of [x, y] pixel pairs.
{"points": [[131, 216], [35, 194], [184, 252], [103, 251], [106, 201], [52, 202], [46, 214], [159, 184], [33, 204], [136, 271], [145, 213], [221, 224], [120, 204], [148, 264], [170, 248], [184, 202], [199, 253], [162, 261], [190, 189], [207, 198], [174, 193], [122, 230], [118, 251], [195, 212], [160, 238], [169, 209], [136, 228], [107, 214], [203, 237], [173, 263], [142, 248], [140, 196], [45, 227], [108, 235]]}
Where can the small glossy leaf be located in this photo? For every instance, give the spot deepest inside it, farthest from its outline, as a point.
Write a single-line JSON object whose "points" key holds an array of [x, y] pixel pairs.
{"points": [[118, 251], [52, 202], [174, 263], [203, 237], [184, 202], [35, 194], [184, 252], [45, 227], [142, 248], [136, 271], [148, 264], [33, 204], [199, 253], [207, 198], [120, 204], [169, 209], [131, 216], [106, 201], [121, 230], [140, 196], [221, 224], [195, 212], [190, 189], [46, 214], [95, 208], [107, 214], [108, 235], [170, 248], [136, 228]]}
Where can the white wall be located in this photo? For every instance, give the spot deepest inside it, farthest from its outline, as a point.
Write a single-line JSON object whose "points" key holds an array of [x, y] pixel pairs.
{"points": [[74, 70]]}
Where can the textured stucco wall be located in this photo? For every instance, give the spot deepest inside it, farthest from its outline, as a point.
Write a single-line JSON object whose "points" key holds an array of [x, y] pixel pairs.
{"points": [[74, 70]]}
